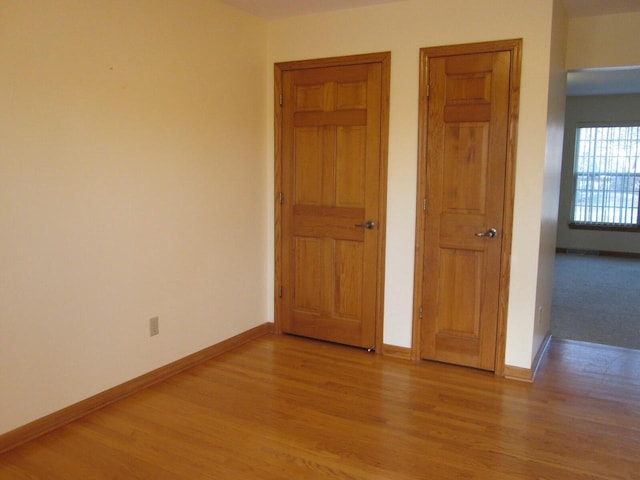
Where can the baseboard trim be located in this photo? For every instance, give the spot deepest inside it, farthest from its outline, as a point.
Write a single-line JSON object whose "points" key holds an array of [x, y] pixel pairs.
{"points": [[518, 373], [529, 374], [73, 412], [394, 351], [601, 253]]}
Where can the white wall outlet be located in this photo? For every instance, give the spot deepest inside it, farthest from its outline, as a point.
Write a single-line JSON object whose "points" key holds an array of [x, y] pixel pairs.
{"points": [[154, 326]]}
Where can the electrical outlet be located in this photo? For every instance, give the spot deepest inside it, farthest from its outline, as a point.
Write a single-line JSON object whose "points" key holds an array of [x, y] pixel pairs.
{"points": [[154, 326]]}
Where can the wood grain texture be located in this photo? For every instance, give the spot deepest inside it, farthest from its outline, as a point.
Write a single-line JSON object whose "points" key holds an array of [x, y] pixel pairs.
{"points": [[466, 154], [518, 373], [277, 198], [283, 407], [332, 172], [477, 89], [62, 417], [395, 351]]}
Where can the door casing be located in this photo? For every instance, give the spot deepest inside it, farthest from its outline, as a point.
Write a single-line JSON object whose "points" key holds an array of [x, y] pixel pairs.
{"points": [[513, 46], [384, 58]]}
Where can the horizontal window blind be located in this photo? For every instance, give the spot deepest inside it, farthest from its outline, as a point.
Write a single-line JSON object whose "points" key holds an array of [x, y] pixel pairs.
{"points": [[607, 176]]}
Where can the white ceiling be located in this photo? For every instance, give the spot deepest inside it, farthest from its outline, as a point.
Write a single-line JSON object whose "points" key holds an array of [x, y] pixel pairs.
{"points": [[290, 8], [604, 81]]}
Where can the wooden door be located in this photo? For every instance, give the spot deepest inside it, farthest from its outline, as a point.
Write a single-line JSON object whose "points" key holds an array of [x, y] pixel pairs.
{"points": [[333, 143], [466, 158]]}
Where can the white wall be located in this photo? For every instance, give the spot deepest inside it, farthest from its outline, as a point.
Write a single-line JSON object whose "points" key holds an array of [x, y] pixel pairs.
{"points": [[403, 28], [133, 167], [585, 109]]}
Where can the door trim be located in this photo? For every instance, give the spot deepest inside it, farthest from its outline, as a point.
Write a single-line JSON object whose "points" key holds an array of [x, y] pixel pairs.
{"points": [[514, 46], [383, 58]]}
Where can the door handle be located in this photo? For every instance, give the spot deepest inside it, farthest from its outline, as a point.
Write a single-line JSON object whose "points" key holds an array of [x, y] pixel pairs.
{"points": [[369, 224], [492, 232]]}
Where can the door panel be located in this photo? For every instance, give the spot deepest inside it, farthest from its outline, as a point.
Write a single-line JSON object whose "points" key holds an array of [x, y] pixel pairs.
{"points": [[465, 140], [349, 285], [308, 264], [308, 144], [466, 158], [333, 173], [350, 166]]}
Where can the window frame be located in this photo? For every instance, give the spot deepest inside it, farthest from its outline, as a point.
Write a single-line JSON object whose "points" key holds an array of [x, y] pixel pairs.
{"points": [[592, 226]]}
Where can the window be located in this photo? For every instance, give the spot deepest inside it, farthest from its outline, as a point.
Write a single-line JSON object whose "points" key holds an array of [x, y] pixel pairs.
{"points": [[607, 177]]}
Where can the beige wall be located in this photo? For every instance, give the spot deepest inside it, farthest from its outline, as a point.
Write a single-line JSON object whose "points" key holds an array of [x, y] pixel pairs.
{"points": [[596, 108], [137, 176], [403, 28], [604, 41], [133, 185], [552, 174]]}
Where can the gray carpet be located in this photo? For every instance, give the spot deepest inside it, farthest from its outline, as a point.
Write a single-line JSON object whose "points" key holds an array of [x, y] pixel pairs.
{"points": [[597, 299]]}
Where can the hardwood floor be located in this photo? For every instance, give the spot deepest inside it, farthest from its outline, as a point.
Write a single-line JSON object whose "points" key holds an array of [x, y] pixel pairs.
{"points": [[288, 408]]}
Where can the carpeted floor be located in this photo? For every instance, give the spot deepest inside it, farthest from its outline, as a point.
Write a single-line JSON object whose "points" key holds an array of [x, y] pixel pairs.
{"points": [[597, 299]]}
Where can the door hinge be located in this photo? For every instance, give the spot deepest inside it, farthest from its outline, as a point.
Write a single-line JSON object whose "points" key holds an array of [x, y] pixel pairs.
{"points": [[280, 197], [281, 100], [424, 204], [420, 312], [428, 90], [280, 292]]}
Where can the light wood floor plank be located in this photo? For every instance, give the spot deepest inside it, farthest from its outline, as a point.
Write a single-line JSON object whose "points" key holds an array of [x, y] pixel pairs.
{"points": [[283, 407]]}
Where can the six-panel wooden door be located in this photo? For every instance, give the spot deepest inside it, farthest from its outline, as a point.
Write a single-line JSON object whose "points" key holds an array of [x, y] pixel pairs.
{"points": [[333, 173], [467, 131]]}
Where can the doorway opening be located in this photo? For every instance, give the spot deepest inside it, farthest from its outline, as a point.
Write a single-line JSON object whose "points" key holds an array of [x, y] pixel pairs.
{"points": [[596, 264]]}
